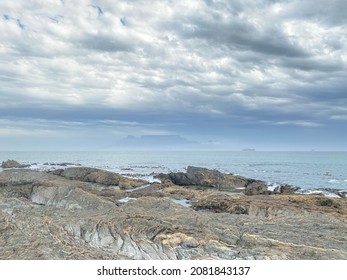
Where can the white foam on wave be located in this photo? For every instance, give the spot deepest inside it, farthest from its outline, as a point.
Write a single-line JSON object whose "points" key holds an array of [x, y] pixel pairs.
{"points": [[333, 181], [272, 186], [148, 178], [320, 192], [49, 166]]}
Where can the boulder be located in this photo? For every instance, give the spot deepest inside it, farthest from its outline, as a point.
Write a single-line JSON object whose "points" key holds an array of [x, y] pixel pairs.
{"points": [[61, 195], [197, 176], [256, 189], [60, 218], [286, 189], [13, 164], [94, 175]]}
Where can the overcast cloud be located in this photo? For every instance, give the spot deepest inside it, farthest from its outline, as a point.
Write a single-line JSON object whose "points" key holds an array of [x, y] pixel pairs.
{"points": [[85, 74]]}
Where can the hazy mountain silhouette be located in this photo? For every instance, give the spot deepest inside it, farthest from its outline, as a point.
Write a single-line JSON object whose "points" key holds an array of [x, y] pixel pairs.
{"points": [[156, 142]]}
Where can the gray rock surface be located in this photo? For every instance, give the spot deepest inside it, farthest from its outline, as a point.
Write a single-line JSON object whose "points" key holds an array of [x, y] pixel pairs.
{"points": [[12, 164], [47, 216], [197, 176], [94, 175]]}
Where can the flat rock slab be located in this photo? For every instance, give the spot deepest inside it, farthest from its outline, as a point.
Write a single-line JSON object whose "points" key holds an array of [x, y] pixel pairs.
{"points": [[94, 175]]}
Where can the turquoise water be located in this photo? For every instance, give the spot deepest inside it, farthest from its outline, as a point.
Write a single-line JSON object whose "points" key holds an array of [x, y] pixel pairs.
{"points": [[302, 169]]}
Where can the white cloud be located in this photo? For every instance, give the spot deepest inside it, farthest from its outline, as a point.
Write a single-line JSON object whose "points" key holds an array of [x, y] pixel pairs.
{"points": [[299, 123], [221, 59]]}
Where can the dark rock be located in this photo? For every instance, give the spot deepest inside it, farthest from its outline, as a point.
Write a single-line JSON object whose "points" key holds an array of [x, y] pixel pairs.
{"points": [[260, 188], [338, 192], [68, 164], [328, 202], [57, 172], [342, 193], [286, 189], [197, 176], [256, 188]]}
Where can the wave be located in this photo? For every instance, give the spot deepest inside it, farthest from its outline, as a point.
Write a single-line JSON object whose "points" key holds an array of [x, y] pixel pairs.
{"points": [[334, 181]]}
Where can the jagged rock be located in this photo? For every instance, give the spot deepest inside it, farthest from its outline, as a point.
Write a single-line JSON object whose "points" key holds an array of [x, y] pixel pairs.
{"points": [[94, 175], [330, 192], [46, 216], [285, 189], [66, 196], [197, 176], [256, 189], [13, 164], [259, 188]]}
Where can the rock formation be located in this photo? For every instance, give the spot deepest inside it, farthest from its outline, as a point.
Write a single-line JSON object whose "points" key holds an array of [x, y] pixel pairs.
{"points": [[197, 176], [79, 214], [12, 164], [94, 175]]}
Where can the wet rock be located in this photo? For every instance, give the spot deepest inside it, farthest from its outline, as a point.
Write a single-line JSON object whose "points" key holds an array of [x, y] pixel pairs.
{"points": [[333, 192]]}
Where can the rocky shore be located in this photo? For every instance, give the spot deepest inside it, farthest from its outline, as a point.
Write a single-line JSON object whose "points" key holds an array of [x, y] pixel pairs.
{"points": [[88, 213]]}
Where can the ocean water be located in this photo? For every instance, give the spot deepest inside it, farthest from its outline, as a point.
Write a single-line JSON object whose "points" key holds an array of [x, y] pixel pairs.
{"points": [[307, 170]]}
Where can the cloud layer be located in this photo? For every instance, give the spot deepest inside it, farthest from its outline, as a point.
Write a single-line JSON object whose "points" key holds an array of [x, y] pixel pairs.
{"points": [[206, 70]]}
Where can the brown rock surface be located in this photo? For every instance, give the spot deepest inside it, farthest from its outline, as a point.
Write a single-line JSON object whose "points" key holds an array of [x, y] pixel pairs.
{"points": [[94, 175], [45, 216]]}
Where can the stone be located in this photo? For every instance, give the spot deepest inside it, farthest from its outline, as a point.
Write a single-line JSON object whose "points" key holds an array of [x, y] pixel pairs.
{"points": [[286, 189], [47, 216], [67, 196], [94, 175], [197, 176], [13, 164], [256, 189]]}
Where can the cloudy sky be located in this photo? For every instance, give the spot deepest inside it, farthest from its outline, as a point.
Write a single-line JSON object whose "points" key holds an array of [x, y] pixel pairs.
{"points": [[214, 74]]}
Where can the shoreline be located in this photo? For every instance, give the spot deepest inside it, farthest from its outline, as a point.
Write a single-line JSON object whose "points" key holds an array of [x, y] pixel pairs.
{"points": [[151, 177], [88, 213], [308, 171]]}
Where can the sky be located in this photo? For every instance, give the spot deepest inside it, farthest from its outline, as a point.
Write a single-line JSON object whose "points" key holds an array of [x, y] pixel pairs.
{"points": [[201, 74]]}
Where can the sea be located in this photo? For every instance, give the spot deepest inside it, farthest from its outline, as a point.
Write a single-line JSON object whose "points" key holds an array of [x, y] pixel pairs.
{"points": [[307, 170]]}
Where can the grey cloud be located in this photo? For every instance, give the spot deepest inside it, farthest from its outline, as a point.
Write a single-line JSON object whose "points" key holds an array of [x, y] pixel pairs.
{"points": [[106, 43], [99, 9], [209, 69], [332, 12], [245, 36], [123, 21], [312, 64]]}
